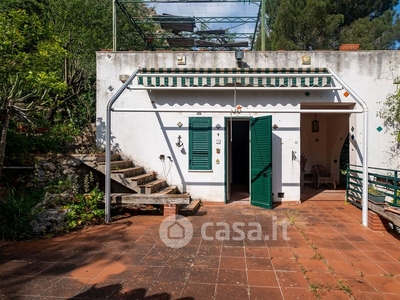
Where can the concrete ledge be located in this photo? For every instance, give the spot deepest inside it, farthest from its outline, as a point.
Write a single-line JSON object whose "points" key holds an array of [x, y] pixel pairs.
{"points": [[150, 199]]}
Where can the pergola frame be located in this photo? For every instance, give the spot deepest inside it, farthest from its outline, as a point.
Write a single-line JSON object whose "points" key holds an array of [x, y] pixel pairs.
{"points": [[137, 22]]}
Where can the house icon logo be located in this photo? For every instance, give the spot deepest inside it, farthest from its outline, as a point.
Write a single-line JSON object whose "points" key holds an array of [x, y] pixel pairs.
{"points": [[176, 231]]}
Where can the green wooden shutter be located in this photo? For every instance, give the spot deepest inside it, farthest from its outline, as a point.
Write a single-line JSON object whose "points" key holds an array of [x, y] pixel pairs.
{"points": [[261, 162], [199, 143]]}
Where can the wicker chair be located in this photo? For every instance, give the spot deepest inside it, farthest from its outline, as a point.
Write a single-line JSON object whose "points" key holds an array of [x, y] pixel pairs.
{"points": [[322, 176]]}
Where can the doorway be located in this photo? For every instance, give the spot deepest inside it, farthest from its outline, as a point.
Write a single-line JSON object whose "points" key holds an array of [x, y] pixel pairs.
{"points": [[249, 160], [328, 146], [238, 160]]}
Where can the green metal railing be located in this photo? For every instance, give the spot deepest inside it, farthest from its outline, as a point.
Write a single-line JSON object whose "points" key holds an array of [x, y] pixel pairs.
{"points": [[387, 181]]}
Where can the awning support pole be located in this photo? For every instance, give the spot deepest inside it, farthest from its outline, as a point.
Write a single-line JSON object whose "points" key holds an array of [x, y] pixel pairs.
{"points": [[108, 145], [364, 201]]}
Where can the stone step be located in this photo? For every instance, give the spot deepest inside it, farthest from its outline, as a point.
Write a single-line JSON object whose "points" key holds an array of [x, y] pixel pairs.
{"points": [[169, 190], [141, 179], [191, 207], [120, 164], [153, 186], [101, 158], [129, 172]]}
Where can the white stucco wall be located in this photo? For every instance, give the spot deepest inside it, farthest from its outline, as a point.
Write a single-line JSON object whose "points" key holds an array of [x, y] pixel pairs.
{"points": [[143, 137]]}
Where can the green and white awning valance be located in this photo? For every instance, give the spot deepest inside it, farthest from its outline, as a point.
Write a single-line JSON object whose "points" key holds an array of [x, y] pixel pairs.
{"points": [[249, 77]]}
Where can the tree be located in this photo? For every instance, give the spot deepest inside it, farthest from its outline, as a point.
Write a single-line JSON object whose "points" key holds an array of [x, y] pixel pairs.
{"points": [[390, 113], [29, 69], [382, 32], [325, 24], [84, 27]]}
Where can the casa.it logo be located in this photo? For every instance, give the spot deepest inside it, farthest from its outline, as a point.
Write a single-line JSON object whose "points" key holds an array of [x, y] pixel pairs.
{"points": [[176, 231]]}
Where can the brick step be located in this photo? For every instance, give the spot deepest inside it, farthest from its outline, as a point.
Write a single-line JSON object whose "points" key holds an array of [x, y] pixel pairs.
{"points": [[141, 179], [129, 172], [153, 186]]}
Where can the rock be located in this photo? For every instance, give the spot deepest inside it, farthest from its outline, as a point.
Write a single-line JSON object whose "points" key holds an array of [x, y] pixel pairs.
{"points": [[49, 221]]}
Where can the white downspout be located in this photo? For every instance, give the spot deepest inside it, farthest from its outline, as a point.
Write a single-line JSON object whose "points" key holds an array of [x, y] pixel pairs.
{"points": [[108, 145], [365, 148]]}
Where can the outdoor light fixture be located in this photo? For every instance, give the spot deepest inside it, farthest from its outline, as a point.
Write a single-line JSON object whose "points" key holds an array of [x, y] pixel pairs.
{"points": [[239, 55], [315, 124], [123, 77]]}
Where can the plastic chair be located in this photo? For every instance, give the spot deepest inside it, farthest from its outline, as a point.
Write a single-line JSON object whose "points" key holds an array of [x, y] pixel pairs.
{"points": [[322, 176]]}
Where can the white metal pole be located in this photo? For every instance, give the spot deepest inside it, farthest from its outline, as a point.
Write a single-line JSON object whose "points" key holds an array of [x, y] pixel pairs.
{"points": [[108, 145], [365, 172], [364, 200]]}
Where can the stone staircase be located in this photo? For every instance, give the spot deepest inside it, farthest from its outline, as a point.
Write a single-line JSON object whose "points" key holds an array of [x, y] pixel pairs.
{"points": [[146, 187]]}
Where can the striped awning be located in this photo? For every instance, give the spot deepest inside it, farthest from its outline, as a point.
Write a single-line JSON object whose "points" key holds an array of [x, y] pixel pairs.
{"points": [[256, 77]]}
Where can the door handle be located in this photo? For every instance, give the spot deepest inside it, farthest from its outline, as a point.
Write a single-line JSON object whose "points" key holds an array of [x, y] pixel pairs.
{"points": [[265, 174]]}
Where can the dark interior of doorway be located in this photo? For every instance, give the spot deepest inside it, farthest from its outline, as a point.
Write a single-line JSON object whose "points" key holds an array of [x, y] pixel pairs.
{"points": [[240, 160], [344, 161]]}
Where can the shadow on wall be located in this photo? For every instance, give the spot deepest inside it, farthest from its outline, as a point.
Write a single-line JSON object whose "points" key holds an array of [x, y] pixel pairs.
{"points": [[101, 137]]}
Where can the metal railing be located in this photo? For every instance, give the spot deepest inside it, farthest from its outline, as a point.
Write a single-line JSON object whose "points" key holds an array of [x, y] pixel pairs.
{"points": [[386, 181]]}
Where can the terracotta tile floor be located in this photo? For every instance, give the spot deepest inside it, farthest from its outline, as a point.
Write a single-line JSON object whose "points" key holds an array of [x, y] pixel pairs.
{"points": [[330, 255]]}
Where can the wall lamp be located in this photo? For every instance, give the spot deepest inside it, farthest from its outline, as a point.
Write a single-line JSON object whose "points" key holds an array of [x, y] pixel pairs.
{"points": [[239, 55], [315, 124], [123, 77]]}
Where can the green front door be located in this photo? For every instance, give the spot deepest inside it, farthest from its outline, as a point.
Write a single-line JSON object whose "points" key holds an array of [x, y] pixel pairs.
{"points": [[261, 162]]}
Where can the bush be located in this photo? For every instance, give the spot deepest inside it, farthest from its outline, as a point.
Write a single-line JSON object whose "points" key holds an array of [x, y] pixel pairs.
{"points": [[20, 147], [85, 209], [16, 213]]}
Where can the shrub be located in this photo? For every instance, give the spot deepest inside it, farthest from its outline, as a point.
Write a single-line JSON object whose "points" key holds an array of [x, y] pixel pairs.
{"points": [[85, 209], [16, 212]]}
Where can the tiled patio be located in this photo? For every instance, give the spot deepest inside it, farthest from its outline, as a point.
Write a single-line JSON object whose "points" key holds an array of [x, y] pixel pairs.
{"points": [[330, 255]]}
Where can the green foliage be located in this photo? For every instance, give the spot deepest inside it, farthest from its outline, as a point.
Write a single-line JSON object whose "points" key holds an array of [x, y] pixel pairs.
{"points": [[85, 209], [325, 24], [21, 147], [62, 185], [88, 182], [382, 32], [17, 210], [373, 191], [390, 113]]}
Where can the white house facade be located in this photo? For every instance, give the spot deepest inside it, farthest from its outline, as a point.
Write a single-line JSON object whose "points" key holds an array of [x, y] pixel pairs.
{"points": [[213, 125]]}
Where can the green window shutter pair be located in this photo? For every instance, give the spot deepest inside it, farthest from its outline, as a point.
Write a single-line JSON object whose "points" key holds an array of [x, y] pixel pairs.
{"points": [[199, 143]]}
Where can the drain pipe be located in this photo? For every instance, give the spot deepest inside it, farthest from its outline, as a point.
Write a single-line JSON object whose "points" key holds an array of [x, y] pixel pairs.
{"points": [[108, 144], [365, 148]]}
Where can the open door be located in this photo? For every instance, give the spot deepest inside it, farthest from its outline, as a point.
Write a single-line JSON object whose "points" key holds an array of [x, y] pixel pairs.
{"points": [[228, 158], [261, 162]]}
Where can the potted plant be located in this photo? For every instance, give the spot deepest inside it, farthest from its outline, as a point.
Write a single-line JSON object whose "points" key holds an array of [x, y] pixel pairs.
{"points": [[375, 195]]}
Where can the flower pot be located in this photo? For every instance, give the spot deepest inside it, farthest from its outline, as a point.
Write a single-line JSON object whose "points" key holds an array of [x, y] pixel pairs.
{"points": [[349, 47], [376, 198]]}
